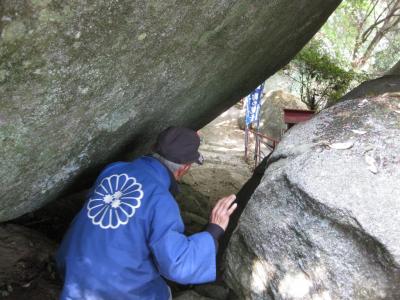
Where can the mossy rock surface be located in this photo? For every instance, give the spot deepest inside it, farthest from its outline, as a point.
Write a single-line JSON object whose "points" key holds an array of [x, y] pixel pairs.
{"points": [[84, 82]]}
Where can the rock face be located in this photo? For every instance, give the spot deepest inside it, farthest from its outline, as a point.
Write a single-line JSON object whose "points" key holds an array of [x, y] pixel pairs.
{"points": [[191, 295], [389, 83], [26, 269], [271, 122], [324, 222], [375, 87], [53, 219], [83, 82], [395, 70]]}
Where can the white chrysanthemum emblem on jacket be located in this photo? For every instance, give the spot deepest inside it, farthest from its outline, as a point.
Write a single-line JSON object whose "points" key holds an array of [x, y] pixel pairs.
{"points": [[114, 201]]}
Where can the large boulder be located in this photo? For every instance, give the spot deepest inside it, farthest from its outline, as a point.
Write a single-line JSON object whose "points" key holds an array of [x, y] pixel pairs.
{"points": [[271, 122], [27, 270], [191, 295], [389, 83], [395, 70], [83, 82], [375, 87], [324, 222], [54, 218]]}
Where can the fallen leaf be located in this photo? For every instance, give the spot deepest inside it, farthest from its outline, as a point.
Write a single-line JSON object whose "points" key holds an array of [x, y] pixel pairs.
{"points": [[362, 103], [342, 146], [372, 165], [359, 131]]}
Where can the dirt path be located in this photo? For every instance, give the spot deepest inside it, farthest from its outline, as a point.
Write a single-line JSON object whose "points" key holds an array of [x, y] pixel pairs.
{"points": [[224, 171]]}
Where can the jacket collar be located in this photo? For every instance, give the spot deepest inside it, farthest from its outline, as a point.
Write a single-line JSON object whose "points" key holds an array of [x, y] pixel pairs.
{"points": [[166, 174]]}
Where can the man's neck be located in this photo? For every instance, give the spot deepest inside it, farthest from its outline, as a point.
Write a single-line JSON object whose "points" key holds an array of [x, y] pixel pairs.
{"points": [[173, 188]]}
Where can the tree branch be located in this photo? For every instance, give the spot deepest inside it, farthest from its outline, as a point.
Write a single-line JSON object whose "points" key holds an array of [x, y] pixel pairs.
{"points": [[389, 21]]}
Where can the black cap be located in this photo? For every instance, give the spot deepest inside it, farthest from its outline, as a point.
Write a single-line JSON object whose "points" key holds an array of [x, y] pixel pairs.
{"points": [[179, 145]]}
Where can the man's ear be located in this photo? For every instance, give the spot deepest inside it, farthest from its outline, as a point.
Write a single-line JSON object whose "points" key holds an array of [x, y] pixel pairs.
{"points": [[186, 167], [182, 171]]}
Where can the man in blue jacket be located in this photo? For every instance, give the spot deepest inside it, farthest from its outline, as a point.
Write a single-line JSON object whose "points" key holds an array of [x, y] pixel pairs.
{"points": [[129, 234]]}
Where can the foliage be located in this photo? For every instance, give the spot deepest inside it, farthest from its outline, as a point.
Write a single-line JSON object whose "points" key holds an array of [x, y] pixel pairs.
{"points": [[384, 58], [364, 35], [321, 77], [359, 41]]}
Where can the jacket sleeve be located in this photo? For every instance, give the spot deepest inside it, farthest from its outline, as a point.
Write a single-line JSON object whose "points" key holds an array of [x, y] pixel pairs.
{"points": [[186, 260]]}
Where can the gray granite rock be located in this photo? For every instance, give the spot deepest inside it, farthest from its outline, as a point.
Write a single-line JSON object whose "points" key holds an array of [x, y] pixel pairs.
{"points": [[324, 222], [84, 82], [395, 70], [53, 219], [214, 291], [26, 268], [272, 123], [190, 295], [375, 87]]}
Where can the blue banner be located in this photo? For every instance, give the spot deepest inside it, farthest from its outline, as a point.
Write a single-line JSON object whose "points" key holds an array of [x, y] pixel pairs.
{"points": [[253, 105]]}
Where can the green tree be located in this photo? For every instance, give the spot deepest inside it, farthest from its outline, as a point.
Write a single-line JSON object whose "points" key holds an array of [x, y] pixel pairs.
{"points": [[364, 34], [321, 77], [360, 41]]}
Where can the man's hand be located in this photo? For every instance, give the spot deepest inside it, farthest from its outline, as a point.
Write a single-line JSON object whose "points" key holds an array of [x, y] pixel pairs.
{"points": [[222, 211]]}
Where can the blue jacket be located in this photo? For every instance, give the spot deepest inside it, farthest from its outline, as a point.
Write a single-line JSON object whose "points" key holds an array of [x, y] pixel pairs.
{"points": [[128, 234]]}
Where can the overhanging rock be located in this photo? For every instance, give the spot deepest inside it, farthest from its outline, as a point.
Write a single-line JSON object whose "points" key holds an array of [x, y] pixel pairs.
{"points": [[82, 82]]}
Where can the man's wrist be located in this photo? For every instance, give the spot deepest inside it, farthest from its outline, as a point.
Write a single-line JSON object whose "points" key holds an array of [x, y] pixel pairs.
{"points": [[215, 230]]}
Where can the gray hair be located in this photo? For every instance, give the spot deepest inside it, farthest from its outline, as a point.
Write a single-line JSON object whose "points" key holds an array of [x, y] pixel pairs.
{"points": [[173, 167]]}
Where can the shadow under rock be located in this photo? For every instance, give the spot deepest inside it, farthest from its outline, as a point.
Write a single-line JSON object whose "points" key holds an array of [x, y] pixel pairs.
{"points": [[242, 198]]}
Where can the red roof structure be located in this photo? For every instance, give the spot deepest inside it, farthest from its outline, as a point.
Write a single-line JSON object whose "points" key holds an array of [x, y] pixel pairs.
{"points": [[294, 116]]}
